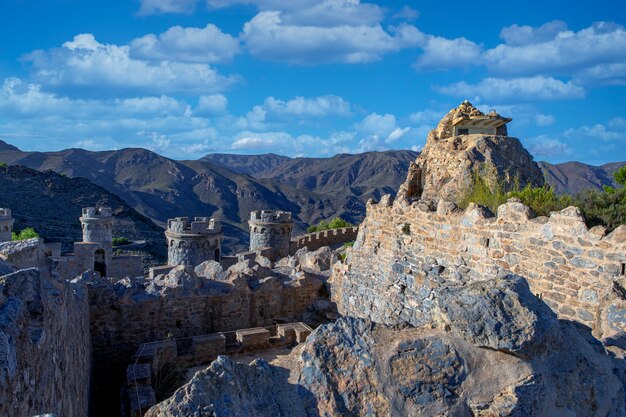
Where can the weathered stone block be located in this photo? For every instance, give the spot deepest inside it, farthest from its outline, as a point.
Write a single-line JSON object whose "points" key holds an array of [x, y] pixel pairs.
{"points": [[256, 338]]}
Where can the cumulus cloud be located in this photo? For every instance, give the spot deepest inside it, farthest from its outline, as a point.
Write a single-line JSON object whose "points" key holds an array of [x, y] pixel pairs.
{"points": [[377, 124], [201, 45], [544, 119], [407, 13], [442, 53], [516, 35], [598, 131], [268, 36], [324, 13], [166, 6], [86, 62], [552, 48], [519, 89], [321, 106], [212, 104], [546, 147]]}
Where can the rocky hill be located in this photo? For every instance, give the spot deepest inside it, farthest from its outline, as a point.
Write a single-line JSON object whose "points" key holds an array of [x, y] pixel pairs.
{"points": [[52, 203], [572, 177]]}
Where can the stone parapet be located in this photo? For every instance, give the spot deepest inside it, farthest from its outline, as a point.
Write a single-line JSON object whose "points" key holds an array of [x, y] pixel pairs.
{"points": [[314, 241], [577, 271]]}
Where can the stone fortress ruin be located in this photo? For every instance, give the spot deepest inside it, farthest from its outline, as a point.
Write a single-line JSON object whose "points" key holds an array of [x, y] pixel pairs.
{"points": [[418, 262]]}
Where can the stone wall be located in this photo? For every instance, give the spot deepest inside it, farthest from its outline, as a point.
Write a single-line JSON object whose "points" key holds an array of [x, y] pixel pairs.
{"points": [[314, 241], [126, 314], [578, 272], [44, 346]]}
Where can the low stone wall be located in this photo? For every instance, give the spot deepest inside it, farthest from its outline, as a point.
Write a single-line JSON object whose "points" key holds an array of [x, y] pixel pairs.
{"points": [[23, 253], [579, 272], [45, 354], [314, 241]]}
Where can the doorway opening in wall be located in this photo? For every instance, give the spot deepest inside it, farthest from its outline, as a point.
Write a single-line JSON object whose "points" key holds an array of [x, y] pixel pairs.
{"points": [[216, 255], [99, 262]]}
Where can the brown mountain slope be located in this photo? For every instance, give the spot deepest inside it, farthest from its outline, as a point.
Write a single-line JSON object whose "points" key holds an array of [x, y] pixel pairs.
{"points": [[52, 204], [572, 177]]}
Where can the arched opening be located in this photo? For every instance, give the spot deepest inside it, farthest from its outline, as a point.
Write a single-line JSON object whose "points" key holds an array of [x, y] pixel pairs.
{"points": [[217, 255], [99, 262]]}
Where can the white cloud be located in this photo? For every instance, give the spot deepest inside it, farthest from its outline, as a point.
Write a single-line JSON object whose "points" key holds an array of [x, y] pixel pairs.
{"points": [[442, 53], [377, 124], [202, 45], [597, 131], [158, 142], [516, 35], [546, 147], [397, 133], [518, 89], [315, 12], [321, 106], [553, 49], [268, 36], [86, 62], [212, 104], [166, 6]]}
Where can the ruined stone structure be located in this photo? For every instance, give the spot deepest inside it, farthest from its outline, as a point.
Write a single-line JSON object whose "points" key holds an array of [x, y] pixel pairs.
{"points": [[191, 243], [6, 224], [95, 252], [271, 229]]}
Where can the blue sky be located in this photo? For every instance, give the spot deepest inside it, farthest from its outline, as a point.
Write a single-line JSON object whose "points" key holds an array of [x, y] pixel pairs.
{"points": [[311, 78]]}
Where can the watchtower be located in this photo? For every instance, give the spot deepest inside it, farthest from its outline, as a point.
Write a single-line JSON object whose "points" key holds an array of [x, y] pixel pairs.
{"points": [[6, 224], [95, 251], [97, 224], [271, 230], [193, 242]]}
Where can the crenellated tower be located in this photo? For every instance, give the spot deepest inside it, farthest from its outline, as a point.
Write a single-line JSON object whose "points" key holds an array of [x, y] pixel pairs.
{"points": [[271, 230], [193, 242]]}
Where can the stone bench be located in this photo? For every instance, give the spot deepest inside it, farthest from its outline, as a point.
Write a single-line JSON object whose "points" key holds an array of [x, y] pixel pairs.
{"points": [[206, 348], [293, 332], [253, 338]]}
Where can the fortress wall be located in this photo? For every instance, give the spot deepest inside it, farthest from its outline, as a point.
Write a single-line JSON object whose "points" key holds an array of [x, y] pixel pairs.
{"points": [[314, 241], [122, 318], [577, 271], [44, 346]]}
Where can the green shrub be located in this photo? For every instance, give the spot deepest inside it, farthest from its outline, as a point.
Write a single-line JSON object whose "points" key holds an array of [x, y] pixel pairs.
{"points": [[348, 244], [121, 241], [27, 233], [3, 165], [620, 176], [607, 208], [336, 223]]}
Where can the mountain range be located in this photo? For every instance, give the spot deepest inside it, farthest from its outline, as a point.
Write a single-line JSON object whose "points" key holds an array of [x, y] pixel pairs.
{"points": [[230, 186]]}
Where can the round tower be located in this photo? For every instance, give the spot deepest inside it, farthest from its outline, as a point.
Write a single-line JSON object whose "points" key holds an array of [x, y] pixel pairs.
{"points": [[193, 242], [6, 224], [271, 230], [97, 224]]}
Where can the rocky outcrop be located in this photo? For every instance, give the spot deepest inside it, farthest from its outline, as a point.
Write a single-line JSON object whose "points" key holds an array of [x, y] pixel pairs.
{"points": [[447, 164], [45, 355], [488, 349]]}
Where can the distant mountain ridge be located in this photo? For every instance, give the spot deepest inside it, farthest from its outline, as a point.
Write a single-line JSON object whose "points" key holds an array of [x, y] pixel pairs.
{"points": [[230, 186]]}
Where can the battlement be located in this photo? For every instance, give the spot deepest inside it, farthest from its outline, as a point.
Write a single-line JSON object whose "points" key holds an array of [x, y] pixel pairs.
{"points": [[316, 240], [199, 226], [5, 214], [97, 213], [571, 267], [270, 216]]}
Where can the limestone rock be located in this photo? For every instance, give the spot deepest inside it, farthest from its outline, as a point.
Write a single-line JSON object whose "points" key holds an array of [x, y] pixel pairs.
{"points": [[499, 314], [445, 166], [210, 270], [182, 276], [229, 388], [321, 259]]}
